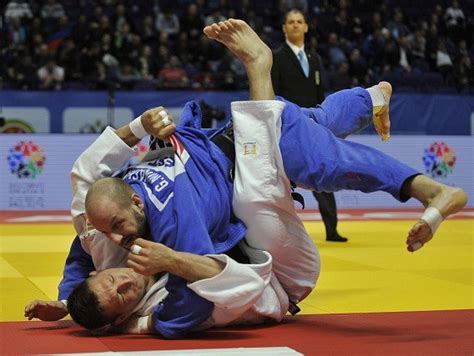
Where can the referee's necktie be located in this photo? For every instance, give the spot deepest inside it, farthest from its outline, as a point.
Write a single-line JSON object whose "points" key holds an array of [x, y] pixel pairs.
{"points": [[304, 63]]}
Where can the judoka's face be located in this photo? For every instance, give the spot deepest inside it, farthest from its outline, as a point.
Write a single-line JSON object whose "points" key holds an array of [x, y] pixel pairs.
{"points": [[118, 290], [122, 225]]}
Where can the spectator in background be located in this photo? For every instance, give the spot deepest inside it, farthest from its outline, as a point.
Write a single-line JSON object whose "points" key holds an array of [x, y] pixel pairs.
{"points": [[432, 45], [343, 24], [123, 41], [80, 32], [417, 42], [135, 50], [51, 76], [358, 69], [405, 54], [341, 78], [17, 9], [120, 17], [444, 63], [105, 27], [396, 26], [42, 54], [204, 80], [391, 51], [357, 25], [182, 46], [225, 76], [69, 57], [356, 34], [192, 22], [147, 30], [286, 5], [52, 10], [162, 57], [173, 75], [97, 14], [464, 73], [375, 24], [454, 18], [335, 52], [146, 63], [90, 56], [25, 73], [167, 22], [215, 16], [17, 33], [128, 76]]}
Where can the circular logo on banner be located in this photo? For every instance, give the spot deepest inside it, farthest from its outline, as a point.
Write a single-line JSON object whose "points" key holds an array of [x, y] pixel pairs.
{"points": [[16, 126], [439, 160], [26, 159]]}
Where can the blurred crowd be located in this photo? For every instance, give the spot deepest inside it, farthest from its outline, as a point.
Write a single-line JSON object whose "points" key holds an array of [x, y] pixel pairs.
{"points": [[421, 45]]}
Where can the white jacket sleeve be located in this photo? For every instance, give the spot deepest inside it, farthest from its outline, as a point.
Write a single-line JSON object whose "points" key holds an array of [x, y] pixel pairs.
{"points": [[107, 154], [235, 289]]}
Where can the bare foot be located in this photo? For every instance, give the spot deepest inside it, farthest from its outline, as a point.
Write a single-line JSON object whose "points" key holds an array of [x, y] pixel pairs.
{"points": [[243, 42], [382, 118], [448, 201]]}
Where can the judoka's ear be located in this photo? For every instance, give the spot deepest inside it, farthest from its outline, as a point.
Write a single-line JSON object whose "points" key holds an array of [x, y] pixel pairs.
{"points": [[137, 201]]}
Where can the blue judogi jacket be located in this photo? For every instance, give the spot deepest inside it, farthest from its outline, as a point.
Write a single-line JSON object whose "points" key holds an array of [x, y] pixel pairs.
{"points": [[188, 205]]}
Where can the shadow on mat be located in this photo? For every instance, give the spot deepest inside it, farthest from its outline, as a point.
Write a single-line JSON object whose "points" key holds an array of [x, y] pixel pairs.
{"points": [[387, 333], [226, 333], [54, 325]]}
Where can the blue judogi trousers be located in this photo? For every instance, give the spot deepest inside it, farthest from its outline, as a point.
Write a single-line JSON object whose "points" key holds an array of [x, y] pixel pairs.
{"points": [[316, 156]]}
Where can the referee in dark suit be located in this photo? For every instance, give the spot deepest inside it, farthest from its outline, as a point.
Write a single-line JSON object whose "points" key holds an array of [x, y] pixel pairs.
{"points": [[296, 76]]}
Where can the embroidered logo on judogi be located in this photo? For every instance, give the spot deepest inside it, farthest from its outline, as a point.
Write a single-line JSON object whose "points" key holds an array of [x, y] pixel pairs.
{"points": [[250, 148]]}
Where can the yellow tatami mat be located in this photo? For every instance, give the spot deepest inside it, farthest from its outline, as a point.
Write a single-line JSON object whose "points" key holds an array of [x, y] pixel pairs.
{"points": [[373, 272]]}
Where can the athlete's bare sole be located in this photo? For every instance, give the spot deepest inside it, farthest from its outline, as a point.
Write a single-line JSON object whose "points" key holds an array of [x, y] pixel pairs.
{"points": [[242, 41], [254, 54], [448, 200], [382, 118]]}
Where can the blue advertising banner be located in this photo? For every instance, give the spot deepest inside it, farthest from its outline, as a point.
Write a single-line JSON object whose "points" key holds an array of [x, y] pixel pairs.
{"points": [[88, 112]]}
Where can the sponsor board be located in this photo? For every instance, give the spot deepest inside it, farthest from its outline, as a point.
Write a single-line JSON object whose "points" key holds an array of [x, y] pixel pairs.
{"points": [[447, 159], [94, 120], [25, 120], [34, 169]]}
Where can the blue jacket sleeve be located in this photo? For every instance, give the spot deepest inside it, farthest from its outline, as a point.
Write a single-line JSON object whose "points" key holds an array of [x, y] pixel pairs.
{"points": [[77, 268], [181, 311]]}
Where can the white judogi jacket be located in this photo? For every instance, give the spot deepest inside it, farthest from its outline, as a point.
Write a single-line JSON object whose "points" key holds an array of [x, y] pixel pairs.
{"points": [[241, 293]]}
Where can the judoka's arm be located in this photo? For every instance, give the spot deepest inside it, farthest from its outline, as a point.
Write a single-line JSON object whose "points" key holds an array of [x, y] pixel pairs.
{"points": [[109, 153], [231, 286], [155, 258], [77, 268], [204, 274]]}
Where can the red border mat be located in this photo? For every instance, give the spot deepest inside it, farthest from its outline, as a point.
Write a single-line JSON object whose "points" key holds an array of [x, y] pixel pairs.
{"points": [[406, 333], [63, 216]]}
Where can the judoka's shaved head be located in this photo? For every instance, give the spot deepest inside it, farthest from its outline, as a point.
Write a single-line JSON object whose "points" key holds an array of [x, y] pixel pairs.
{"points": [[110, 189], [114, 208]]}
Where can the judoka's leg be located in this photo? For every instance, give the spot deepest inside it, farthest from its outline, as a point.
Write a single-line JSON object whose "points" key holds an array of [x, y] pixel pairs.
{"points": [[254, 54], [262, 197], [432, 194], [343, 113], [314, 158], [351, 110]]}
